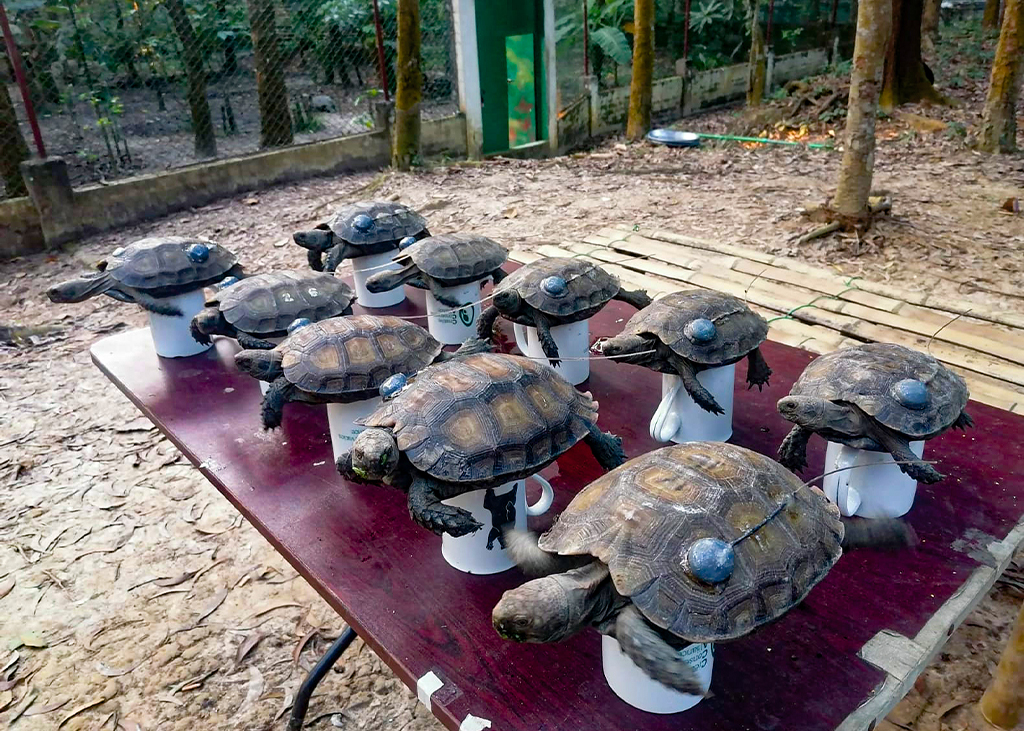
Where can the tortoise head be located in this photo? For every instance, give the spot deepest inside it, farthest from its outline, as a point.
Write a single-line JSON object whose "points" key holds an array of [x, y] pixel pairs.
{"points": [[375, 455], [209, 321], [79, 288], [508, 301], [318, 239], [806, 411], [626, 345], [538, 611], [266, 365]]}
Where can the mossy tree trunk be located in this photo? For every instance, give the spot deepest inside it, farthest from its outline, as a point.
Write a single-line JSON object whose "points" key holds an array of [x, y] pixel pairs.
{"points": [[639, 122], [990, 18], [195, 76], [11, 143], [904, 79], [409, 93], [758, 62], [275, 118], [930, 25], [999, 120], [1003, 702], [874, 18]]}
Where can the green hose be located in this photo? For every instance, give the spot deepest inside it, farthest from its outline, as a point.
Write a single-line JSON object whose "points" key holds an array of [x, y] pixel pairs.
{"points": [[766, 141]]}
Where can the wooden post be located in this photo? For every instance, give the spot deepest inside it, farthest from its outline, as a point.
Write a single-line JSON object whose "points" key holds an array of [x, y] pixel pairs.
{"points": [[1003, 702]]}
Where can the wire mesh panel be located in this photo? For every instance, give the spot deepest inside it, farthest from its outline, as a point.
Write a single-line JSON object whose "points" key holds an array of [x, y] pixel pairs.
{"points": [[130, 86]]}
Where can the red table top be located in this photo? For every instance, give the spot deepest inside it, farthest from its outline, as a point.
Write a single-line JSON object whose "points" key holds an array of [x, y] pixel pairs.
{"points": [[357, 546]]}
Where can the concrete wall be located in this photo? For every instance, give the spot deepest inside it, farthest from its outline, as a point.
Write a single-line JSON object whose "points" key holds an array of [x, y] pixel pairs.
{"points": [[104, 207], [715, 86], [798, 65], [574, 124]]}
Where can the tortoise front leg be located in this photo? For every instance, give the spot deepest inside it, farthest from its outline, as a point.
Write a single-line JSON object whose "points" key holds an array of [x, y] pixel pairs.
{"points": [[315, 257], [793, 450], [497, 275], [485, 325], [963, 421], [658, 659], [547, 341], [336, 255], [152, 304], [899, 448], [427, 510], [251, 342], [279, 393], [607, 447], [441, 296], [701, 396], [635, 297], [758, 371]]}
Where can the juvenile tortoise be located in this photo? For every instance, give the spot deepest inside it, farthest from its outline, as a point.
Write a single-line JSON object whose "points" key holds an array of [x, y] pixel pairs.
{"points": [[264, 305], [360, 229], [555, 291], [876, 396], [691, 331], [656, 554], [441, 261], [472, 423], [340, 360], [151, 269]]}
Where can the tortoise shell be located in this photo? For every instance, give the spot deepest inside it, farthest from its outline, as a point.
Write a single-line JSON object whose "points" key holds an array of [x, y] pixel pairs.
{"points": [[356, 354], [267, 303], [387, 222], [588, 286], [486, 417], [642, 517], [163, 262], [455, 258], [868, 375], [737, 329]]}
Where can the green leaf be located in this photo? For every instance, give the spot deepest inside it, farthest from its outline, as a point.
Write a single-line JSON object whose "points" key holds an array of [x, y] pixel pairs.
{"points": [[614, 43]]}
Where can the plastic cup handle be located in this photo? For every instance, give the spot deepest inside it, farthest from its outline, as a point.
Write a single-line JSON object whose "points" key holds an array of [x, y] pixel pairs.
{"points": [[847, 498], [521, 339], [665, 422], [547, 496]]}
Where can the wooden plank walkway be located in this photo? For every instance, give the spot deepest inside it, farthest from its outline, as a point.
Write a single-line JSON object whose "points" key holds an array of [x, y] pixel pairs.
{"points": [[816, 309]]}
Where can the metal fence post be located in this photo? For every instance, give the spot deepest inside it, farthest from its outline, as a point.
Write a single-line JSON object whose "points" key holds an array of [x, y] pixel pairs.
{"points": [[19, 74]]}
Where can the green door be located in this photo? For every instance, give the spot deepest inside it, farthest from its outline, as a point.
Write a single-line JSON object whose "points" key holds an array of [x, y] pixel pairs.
{"points": [[510, 42]]}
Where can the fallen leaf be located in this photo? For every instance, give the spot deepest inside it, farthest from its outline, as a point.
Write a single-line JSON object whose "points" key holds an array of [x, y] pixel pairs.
{"points": [[271, 608], [202, 571], [40, 710], [254, 691], [246, 647], [112, 690], [175, 580], [195, 682], [217, 600], [289, 698], [32, 639], [1012, 205], [6, 587], [251, 201], [26, 700], [7, 698], [128, 725], [165, 592], [117, 672], [302, 644], [168, 698]]}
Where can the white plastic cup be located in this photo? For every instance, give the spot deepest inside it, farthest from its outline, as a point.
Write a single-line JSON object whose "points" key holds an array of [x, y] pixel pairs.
{"points": [[342, 418], [573, 341], [880, 490], [498, 508], [172, 336], [639, 690], [679, 419], [364, 267], [454, 327], [264, 385]]}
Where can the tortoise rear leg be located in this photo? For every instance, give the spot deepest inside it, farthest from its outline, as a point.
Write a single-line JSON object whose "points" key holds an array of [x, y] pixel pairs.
{"points": [[607, 447], [963, 421], [441, 296], [659, 660], [485, 325], [635, 297], [152, 304], [899, 448], [758, 371], [793, 450], [251, 342], [279, 393], [701, 396], [426, 509], [547, 340]]}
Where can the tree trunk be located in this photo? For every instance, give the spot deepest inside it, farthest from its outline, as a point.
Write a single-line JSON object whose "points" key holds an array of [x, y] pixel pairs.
{"points": [[1003, 702], [643, 70], [874, 18], [410, 85], [758, 61], [275, 119], [13, 145], [999, 120], [230, 67], [905, 80], [930, 25], [202, 120], [990, 18]]}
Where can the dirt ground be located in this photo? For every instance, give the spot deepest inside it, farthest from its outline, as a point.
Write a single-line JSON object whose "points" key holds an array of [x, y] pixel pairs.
{"points": [[132, 594]]}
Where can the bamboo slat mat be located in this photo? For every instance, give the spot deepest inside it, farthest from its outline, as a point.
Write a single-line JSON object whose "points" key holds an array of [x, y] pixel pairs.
{"points": [[817, 309]]}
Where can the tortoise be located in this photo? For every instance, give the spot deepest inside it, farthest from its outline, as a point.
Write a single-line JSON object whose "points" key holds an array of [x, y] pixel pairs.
{"points": [[441, 261], [474, 422], [341, 360], [876, 396], [655, 554], [264, 305], [151, 269], [691, 331], [360, 229], [555, 291]]}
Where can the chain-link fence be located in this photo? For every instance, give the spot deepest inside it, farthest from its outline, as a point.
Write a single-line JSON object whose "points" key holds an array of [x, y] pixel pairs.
{"points": [[123, 87]]}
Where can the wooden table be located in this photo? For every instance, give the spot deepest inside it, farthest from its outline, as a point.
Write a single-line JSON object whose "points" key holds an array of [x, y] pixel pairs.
{"points": [[842, 659]]}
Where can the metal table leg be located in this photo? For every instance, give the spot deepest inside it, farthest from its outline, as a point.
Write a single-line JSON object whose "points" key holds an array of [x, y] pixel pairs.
{"points": [[301, 705]]}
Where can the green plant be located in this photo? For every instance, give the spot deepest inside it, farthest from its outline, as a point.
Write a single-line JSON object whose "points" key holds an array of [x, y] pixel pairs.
{"points": [[956, 129]]}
